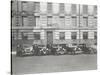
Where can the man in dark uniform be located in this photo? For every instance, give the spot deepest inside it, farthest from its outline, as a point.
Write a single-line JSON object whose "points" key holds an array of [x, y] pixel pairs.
{"points": [[36, 49], [19, 50], [53, 50], [33, 48]]}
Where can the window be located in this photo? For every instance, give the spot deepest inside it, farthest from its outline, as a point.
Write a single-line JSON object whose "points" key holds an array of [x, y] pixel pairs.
{"points": [[12, 36], [37, 7], [85, 35], [95, 10], [95, 35], [36, 35], [61, 6], [62, 35], [85, 21], [24, 6], [73, 35], [24, 21], [49, 7], [24, 36], [73, 7], [85, 9], [74, 21], [62, 20], [37, 20], [49, 20], [95, 21]]}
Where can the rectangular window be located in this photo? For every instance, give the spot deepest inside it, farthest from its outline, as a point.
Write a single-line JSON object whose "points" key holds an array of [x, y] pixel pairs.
{"points": [[24, 21], [95, 35], [73, 35], [62, 35], [36, 35], [62, 20], [85, 9], [49, 20], [37, 6], [95, 10], [95, 21], [24, 36], [49, 7], [37, 20], [73, 7], [85, 35], [74, 21], [61, 8], [13, 36], [24, 6], [85, 21]]}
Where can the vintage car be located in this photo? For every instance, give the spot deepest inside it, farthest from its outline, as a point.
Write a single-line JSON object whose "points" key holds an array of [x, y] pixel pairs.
{"points": [[74, 49], [60, 50], [27, 50], [86, 49], [93, 49]]}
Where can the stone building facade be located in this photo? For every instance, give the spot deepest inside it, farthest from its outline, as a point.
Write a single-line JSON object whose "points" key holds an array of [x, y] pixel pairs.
{"points": [[55, 23]]}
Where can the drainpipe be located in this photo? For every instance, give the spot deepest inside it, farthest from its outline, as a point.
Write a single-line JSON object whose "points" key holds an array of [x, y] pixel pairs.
{"points": [[79, 25], [17, 21]]}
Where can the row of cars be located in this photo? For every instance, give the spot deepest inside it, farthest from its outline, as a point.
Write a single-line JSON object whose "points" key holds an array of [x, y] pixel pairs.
{"points": [[61, 49]]}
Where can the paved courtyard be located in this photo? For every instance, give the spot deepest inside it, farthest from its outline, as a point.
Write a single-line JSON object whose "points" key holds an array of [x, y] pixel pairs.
{"points": [[61, 63]]}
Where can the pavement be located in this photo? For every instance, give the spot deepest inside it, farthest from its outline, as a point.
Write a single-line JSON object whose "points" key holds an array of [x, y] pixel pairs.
{"points": [[51, 63]]}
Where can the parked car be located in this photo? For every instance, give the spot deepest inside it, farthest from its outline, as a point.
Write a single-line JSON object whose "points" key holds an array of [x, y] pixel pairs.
{"points": [[78, 50], [93, 49], [61, 49], [86, 49], [74, 49], [27, 50], [43, 51]]}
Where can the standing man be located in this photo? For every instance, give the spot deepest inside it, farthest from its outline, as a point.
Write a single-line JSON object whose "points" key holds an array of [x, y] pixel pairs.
{"points": [[19, 50], [36, 50]]}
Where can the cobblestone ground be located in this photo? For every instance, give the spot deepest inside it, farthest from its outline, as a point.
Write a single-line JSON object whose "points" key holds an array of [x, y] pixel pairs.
{"points": [[61, 63]]}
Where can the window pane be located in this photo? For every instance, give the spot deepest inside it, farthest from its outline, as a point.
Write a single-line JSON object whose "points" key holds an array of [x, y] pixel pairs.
{"points": [[85, 9], [95, 10], [74, 21], [49, 7], [73, 7], [24, 36], [36, 35], [85, 35], [62, 35], [61, 8], [62, 20], [74, 35], [95, 35], [85, 21], [25, 21], [24, 6], [37, 20], [95, 21], [37, 6], [13, 35], [49, 20]]}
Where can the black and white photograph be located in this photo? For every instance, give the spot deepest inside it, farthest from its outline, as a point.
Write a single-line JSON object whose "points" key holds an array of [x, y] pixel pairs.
{"points": [[51, 37]]}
